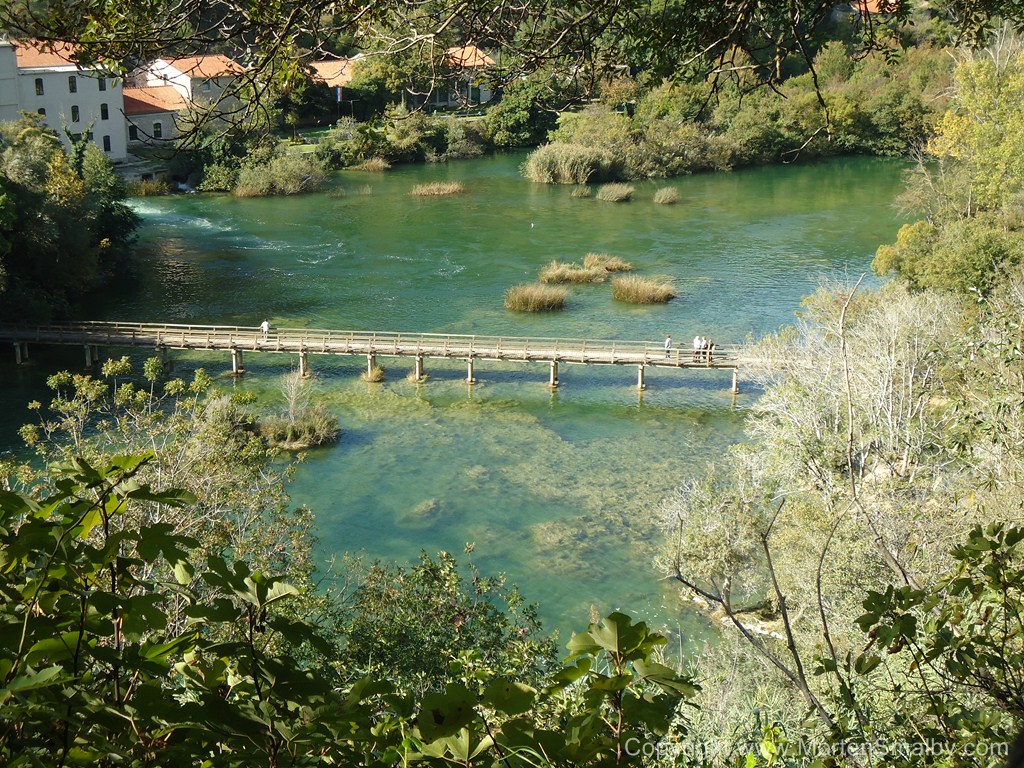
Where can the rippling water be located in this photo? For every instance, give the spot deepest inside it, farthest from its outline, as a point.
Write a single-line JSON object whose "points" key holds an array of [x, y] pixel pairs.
{"points": [[555, 488]]}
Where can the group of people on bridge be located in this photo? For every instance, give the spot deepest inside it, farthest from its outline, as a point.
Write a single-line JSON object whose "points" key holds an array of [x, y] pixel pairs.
{"points": [[703, 349]]}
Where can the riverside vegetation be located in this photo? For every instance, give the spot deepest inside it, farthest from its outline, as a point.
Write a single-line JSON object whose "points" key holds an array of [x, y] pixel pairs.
{"points": [[863, 548]]}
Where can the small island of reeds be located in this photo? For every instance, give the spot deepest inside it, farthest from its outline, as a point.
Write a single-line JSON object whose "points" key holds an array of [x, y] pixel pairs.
{"points": [[615, 193], [562, 272], [606, 262], [437, 189], [374, 164], [634, 289], [535, 297]]}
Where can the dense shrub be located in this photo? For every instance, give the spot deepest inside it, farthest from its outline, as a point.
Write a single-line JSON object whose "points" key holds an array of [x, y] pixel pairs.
{"points": [[523, 116], [285, 175], [570, 164]]}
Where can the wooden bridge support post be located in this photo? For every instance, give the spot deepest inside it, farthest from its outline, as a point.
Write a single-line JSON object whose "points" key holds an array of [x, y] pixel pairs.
{"points": [[164, 358], [418, 368], [92, 356], [304, 365], [640, 378], [17, 353], [469, 371], [237, 362], [735, 380], [371, 363], [553, 381]]}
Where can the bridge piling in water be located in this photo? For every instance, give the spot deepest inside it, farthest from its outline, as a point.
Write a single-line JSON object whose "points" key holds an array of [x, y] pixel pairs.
{"points": [[469, 370], [304, 365], [553, 380], [237, 362], [640, 377]]}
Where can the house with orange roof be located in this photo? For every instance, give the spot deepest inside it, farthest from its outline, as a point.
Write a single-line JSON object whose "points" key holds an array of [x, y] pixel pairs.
{"points": [[200, 80], [152, 114], [72, 99], [468, 86]]}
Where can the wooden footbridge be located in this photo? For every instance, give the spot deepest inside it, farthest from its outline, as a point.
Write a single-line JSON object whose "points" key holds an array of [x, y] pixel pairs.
{"points": [[304, 342]]}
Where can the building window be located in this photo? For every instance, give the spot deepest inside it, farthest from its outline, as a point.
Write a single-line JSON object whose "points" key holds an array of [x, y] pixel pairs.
{"points": [[106, 143], [104, 112], [206, 85], [39, 86], [72, 84], [75, 116], [158, 130], [103, 83], [41, 111], [133, 132]]}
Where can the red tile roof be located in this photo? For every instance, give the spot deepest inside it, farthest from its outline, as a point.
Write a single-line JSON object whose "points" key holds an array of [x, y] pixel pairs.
{"points": [[333, 72], [34, 53], [865, 7], [214, 65], [469, 56], [146, 101]]}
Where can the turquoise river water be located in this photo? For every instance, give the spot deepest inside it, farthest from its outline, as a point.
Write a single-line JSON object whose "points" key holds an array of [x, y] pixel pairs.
{"points": [[556, 488]]}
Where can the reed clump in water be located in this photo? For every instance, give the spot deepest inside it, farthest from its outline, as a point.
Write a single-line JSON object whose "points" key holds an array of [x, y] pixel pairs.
{"points": [[535, 297], [606, 262], [373, 164], [562, 272], [666, 196], [634, 289], [615, 193], [437, 189], [374, 375]]}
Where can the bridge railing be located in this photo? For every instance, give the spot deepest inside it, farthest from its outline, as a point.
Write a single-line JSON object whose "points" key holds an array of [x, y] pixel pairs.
{"points": [[364, 342]]}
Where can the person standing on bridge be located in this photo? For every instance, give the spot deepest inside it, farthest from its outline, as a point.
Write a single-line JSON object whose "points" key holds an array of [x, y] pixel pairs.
{"points": [[668, 345], [265, 327], [698, 342]]}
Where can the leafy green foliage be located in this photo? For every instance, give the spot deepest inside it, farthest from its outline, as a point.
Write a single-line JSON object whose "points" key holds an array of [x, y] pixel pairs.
{"points": [[92, 673], [409, 623], [64, 224]]}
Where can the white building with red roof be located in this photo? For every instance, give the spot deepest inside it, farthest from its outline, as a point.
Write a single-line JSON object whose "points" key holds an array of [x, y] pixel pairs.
{"points": [[72, 99], [200, 80], [152, 114]]}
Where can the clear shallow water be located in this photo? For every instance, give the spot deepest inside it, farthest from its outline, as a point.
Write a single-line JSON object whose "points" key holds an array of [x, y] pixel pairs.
{"points": [[554, 488]]}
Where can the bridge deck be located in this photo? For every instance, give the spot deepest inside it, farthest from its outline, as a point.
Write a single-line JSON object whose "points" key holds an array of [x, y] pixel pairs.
{"points": [[385, 344]]}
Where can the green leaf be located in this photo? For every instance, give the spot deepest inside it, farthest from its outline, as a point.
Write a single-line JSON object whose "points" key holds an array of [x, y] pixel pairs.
{"points": [[39, 679], [508, 696], [444, 714]]}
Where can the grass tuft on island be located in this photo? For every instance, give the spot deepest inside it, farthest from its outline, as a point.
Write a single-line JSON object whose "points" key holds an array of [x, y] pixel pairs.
{"points": [[437, 189], [535, 297], [607, 262], [666, 196], [615, 193], [374, 164], [561, 272], [634, 289]]}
